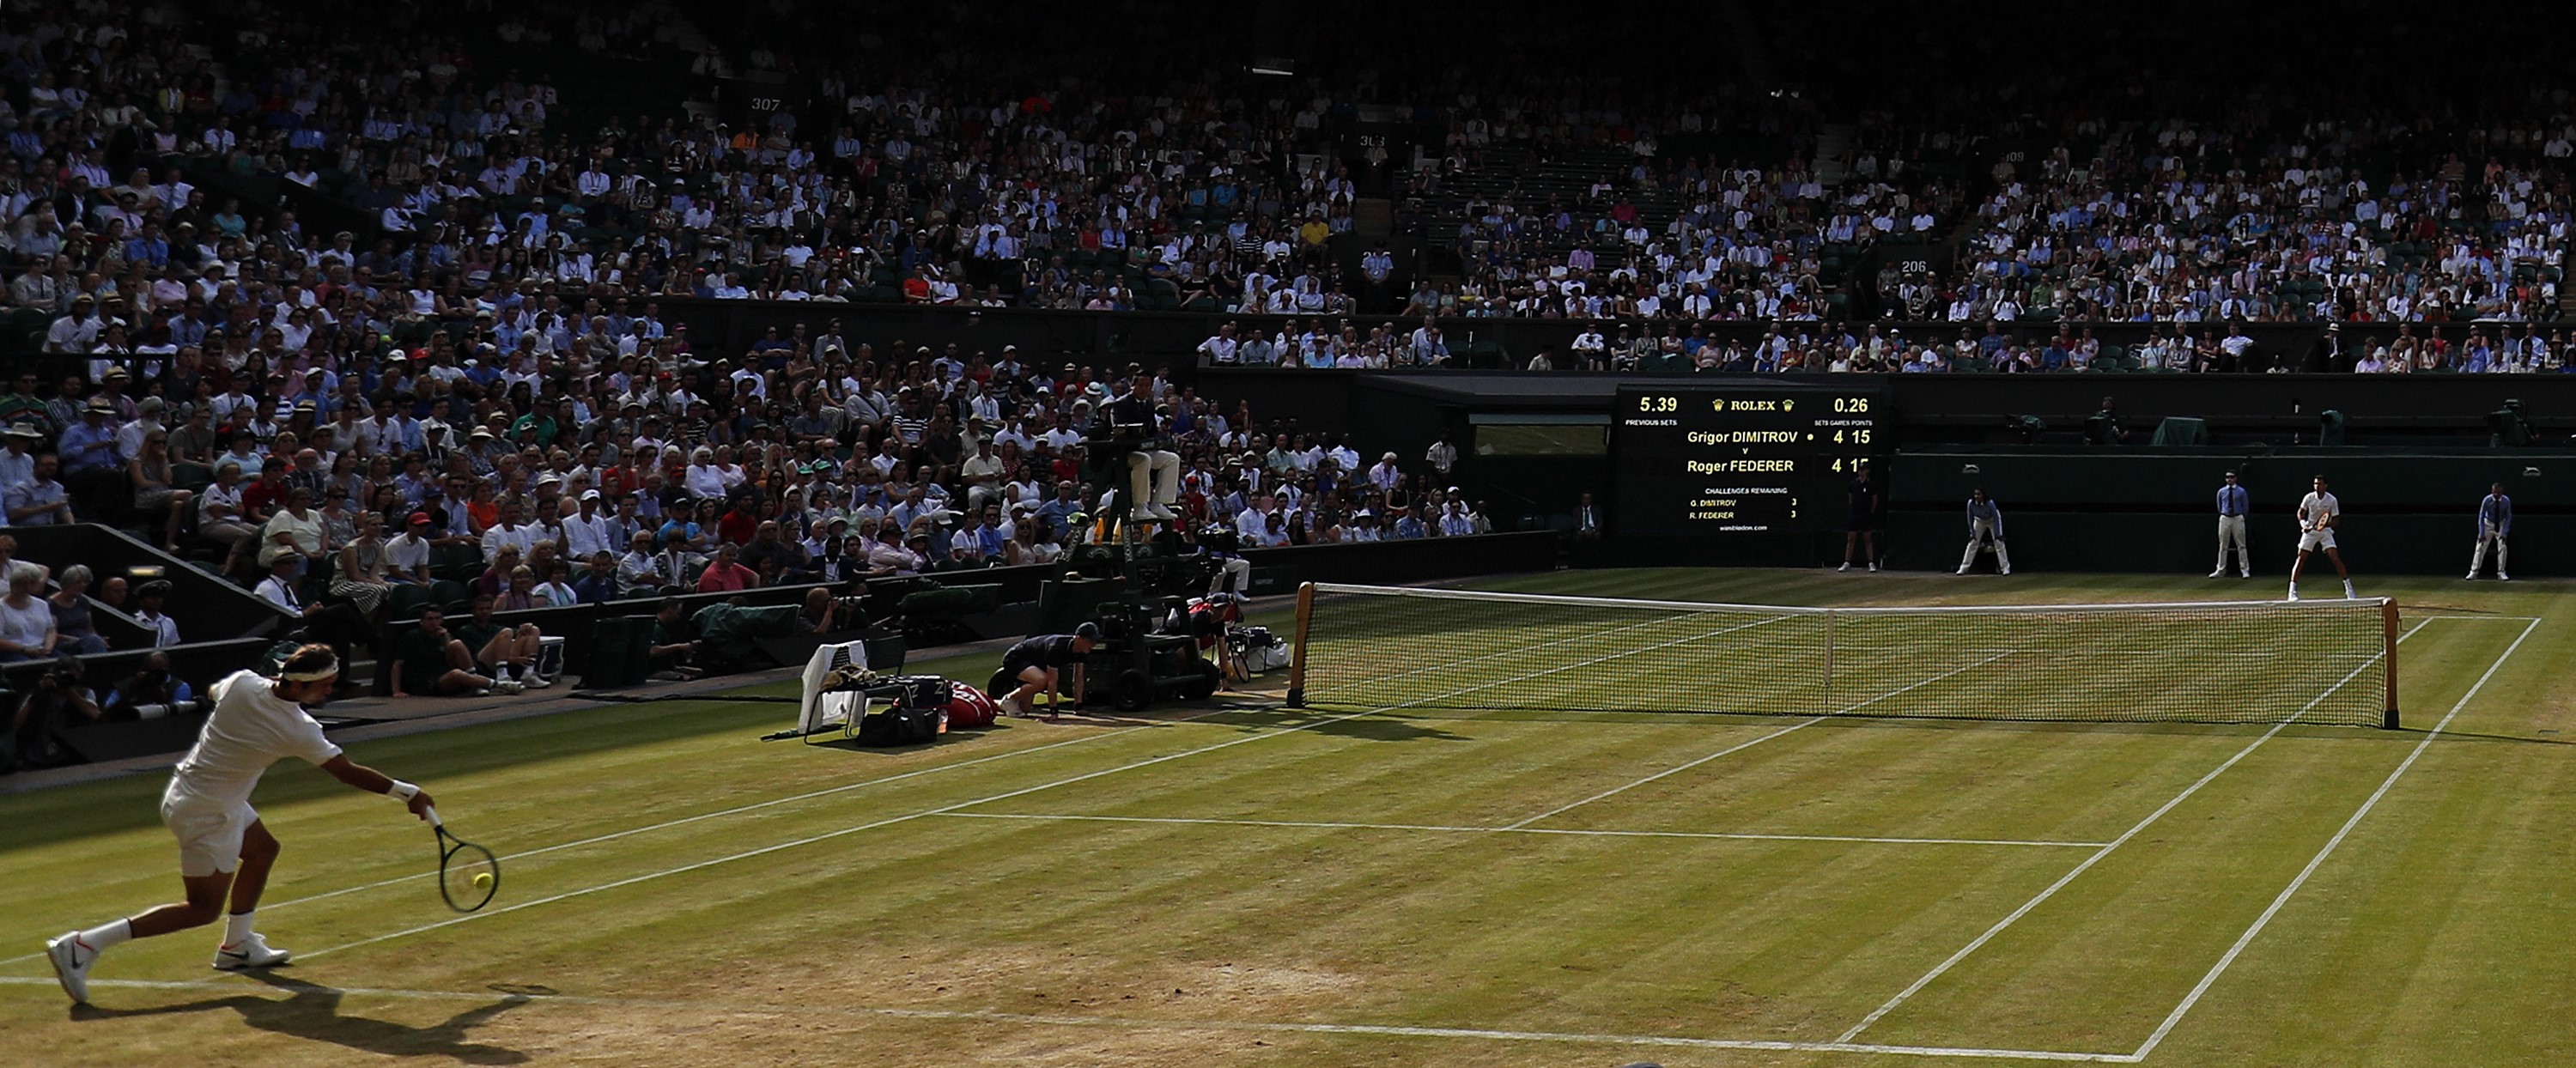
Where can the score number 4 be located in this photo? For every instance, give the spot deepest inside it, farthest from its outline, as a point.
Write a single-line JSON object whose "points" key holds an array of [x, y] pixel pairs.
{"points": [[1855, 437]]}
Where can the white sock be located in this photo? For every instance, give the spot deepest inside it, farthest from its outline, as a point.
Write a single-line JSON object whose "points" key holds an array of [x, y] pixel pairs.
{"points": [[237, 927], [114, 932]]}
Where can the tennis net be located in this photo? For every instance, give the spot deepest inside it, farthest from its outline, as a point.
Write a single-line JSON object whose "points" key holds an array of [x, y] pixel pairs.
{"points": [[2330, 662]]}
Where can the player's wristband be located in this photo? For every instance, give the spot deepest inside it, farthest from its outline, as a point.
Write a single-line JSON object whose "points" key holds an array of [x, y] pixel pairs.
{"points": [[402, 791]]}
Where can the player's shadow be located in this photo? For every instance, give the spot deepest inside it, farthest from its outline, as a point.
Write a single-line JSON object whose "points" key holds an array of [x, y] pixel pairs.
{"points": [[312, 1012]]}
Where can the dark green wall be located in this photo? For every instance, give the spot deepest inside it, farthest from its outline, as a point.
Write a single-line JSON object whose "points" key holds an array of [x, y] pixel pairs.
{"points": [[2096, 511]]}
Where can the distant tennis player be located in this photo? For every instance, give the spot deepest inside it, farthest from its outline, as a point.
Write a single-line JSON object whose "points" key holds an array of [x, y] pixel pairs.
{"points": [[1039, 662], [2319, 514], [2495, 520], [1985, 532], [223, 848]]}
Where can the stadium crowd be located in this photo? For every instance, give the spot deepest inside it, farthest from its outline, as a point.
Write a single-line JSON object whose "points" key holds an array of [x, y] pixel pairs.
{"points": [[486, 380]]}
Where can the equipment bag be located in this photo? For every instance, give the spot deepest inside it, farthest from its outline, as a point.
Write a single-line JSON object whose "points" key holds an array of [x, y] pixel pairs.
{"points": [[969, 708], [900, 725], [1259, 650]]}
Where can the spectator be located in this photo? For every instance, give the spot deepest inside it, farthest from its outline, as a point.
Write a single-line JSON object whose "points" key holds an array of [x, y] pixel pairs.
{"points": [[294, 533], [76, 634], [150, 472], [406, 556], [726, 574], [26, 619], [503, 653], [428, 662], [39, 501], [361, 575]]}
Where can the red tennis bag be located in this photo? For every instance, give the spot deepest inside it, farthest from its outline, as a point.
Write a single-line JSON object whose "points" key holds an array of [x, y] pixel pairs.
{"points": [[969, 707]]}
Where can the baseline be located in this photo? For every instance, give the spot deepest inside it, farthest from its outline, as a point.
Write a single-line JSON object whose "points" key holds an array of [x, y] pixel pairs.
{"points": [[1110, 1022]]}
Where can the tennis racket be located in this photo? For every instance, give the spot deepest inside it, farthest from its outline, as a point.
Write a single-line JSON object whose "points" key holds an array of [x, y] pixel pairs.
{"points": [[468, 874]]}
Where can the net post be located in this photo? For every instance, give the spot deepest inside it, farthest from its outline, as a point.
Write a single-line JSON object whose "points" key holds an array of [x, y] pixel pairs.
{"points": [[1297, 665], [2388, 654]]}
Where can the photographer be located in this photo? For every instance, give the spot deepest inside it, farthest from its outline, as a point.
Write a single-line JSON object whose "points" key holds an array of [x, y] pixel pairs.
{"points": [[150, 692], [59, 700]]}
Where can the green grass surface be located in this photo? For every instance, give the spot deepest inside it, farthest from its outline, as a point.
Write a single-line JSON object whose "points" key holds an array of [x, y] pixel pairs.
{"points": [[1256, 886]]}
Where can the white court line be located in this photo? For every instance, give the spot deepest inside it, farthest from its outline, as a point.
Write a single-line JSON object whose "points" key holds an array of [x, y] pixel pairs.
{"points": [[889, 821], [1944, 967], [1739, 747], [255, 989], [272, 906], [2206, 981], [1746, 836]]}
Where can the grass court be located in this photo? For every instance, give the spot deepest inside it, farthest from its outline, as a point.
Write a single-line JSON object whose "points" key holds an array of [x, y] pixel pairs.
{"points": [[1235, 883]]}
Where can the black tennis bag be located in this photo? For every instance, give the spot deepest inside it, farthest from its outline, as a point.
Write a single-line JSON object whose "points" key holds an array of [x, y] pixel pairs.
{"points": [[899, 725], [913, 718]]}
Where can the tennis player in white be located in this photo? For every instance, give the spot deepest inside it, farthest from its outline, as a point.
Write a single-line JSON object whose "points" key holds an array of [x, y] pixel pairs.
{"points": [[223, 849], [2319, 514]]}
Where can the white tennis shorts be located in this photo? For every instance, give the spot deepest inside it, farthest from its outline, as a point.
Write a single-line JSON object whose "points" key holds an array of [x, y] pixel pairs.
{"points": [[2313, 540], [210, 834]]}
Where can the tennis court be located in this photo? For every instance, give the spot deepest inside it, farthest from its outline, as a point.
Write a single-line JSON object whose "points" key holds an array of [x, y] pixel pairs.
{"points": [[1426, 880]]}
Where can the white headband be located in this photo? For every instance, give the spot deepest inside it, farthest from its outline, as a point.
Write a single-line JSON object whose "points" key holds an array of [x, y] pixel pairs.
{"points": [[327, 670]]}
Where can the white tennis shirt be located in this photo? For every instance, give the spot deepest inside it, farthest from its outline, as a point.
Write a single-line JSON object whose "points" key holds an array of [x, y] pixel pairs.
{"points": [[250, 729], [2318, 506]]}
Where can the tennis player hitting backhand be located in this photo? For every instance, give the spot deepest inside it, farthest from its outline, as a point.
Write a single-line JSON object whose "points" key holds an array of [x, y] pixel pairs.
{"points": [[2319, 515], [223, 848]]}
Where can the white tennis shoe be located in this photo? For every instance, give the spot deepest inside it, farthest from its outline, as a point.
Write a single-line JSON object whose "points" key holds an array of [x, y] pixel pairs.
{"points": [[2502, 577], [505, 686], [71, 959], [251, 952], [2220, 573]]}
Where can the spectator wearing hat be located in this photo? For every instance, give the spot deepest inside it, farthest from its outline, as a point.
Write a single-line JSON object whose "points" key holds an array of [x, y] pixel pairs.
{"points": [[588, 532], [407, 554], [90, 464], [18, 453], [150, 600]]}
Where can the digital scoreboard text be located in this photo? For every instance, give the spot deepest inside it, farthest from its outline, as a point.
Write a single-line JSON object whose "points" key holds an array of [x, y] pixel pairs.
{"points": [[1739, 459]]}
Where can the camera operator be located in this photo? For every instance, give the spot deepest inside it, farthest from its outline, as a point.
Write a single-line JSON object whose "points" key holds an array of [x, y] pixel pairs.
{"points": [[150, 692], [59, 700]]}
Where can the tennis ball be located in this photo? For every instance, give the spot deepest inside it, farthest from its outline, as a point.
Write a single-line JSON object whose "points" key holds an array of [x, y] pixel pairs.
{"points": [[483, 880]]}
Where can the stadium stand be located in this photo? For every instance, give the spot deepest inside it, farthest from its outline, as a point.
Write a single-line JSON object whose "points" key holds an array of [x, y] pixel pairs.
{"points": [[433, 262]]}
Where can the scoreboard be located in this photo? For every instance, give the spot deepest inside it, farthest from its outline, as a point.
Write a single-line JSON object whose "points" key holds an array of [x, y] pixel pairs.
{"points": [[1739, 458]]}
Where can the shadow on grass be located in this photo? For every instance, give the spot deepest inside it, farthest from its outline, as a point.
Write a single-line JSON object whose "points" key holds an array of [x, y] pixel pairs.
{"points": [[312, 1012]]}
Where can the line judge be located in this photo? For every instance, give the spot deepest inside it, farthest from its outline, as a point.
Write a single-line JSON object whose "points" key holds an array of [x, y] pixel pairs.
{"points": [[2232, 506]]}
